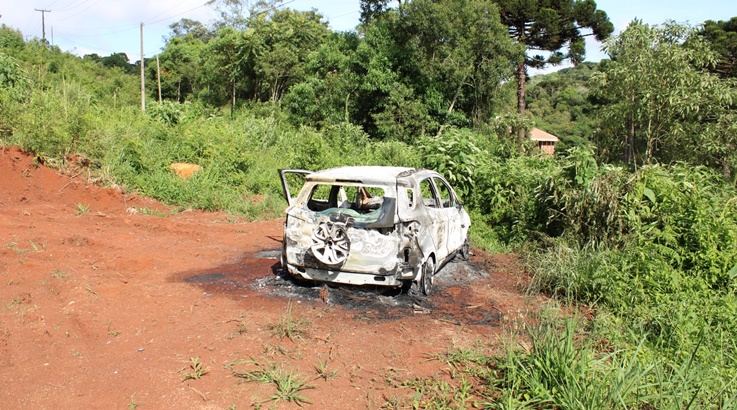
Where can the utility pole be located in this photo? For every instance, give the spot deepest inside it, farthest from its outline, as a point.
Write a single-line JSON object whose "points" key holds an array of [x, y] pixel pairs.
{"points": [[43, 22], [158, 76], [143, 85]]}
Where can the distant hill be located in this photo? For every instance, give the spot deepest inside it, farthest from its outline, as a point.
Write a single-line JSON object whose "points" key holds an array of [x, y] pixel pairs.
{"points": [[559, 103]]}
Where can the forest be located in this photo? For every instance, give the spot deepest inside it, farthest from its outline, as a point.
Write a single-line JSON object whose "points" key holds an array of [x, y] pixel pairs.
{"points": [[631, 227]]}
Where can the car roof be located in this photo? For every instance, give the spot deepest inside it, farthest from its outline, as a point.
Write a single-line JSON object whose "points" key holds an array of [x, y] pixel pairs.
{"points": [[370, 175]]}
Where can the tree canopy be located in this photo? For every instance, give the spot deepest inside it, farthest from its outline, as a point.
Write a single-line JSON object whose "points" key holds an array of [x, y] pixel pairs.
{"points": [[661, 101], [723, 38], [553, 27]]}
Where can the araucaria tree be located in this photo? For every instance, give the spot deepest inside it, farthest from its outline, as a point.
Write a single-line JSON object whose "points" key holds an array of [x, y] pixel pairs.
{"points": [[551, 26]]}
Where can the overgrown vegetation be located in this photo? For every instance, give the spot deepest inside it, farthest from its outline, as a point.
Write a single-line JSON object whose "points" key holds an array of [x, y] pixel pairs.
{"points": [[634, 222]]}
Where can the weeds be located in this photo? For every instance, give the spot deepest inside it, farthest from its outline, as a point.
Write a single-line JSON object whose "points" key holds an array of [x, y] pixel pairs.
{"points": [[435, 393], [321, 368], [35, 247], [197, 369], [289, 384], [82, 209], [59, 274], [242, 328], [289, 326], [151, 211]]}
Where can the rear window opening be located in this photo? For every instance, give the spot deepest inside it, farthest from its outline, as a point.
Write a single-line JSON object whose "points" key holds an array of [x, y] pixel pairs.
{"points": [[363, 204]]}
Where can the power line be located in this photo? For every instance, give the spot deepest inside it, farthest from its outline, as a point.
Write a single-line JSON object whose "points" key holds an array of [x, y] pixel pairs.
{"points": [[82, 11], [72, 5], [176, 15]]}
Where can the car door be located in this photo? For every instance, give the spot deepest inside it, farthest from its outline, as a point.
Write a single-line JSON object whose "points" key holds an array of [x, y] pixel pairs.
{"points": [[297, 178], [438, 228], [451, 211]]}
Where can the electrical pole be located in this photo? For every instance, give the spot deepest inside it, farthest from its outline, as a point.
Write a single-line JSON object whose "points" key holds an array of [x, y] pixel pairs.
{"points": [[158, 76], [43, 22], [143, 85]]}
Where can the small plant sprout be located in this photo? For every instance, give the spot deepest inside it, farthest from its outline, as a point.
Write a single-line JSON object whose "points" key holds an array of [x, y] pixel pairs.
{"points": [[322, 367], [197, 369], [82, 209], [289, 326], [59, 274]]}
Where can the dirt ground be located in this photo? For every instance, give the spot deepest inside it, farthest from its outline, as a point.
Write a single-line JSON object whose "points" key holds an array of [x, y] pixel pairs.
{"points": [[107, 299]]}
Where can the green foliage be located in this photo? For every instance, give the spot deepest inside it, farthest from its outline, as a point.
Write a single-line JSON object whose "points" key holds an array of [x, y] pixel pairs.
{"points": [[722, 35], [663, 103], [456, 156], [14, 80], [197, 369], [561, 369], [289, 384], [550, 26], [289, 326], [11, 39], [505, 194], [560, 103]]}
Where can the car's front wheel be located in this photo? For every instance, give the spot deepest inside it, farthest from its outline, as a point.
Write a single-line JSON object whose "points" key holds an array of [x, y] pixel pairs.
{"points": [[428, 275], [465, 252], [422, 286]]}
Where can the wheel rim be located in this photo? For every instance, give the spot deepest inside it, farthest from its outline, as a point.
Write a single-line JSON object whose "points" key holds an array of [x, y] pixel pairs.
{"points": [[330, 244], [427, 277], [466, 250]]}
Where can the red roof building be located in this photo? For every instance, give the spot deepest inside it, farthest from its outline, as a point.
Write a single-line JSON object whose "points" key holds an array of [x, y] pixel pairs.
{"points": [[546, 142]]}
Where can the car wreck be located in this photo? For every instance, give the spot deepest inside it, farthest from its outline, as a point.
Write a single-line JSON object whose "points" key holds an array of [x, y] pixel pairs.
{"points": [[372, 225]]}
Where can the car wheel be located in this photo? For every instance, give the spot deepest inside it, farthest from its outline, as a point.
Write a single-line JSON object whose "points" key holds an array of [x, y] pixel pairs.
{"points": [[330, 244], [465, 251], [428, 274]]}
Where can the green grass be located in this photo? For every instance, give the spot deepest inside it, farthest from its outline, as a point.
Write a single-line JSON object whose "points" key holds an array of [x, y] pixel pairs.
{"points": [[288, 384], [290, 326], [197, 369], [321, 368], [82, 209]]}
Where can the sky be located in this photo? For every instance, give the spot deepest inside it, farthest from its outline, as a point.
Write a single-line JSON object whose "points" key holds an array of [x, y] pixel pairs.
{"points": [[110, 26]]}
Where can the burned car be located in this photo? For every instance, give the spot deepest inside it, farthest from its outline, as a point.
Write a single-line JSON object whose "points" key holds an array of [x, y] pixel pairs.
{"points": [[372, 225]]}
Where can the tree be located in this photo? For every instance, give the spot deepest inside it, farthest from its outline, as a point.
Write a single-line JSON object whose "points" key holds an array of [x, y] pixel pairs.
{"points": [[119, 60], [189, 29], [551, 26], [236, 13], [723, 37], [222, 67], [278, 46], [663, 102], [429, 64], [11, 38], [373, 8], [559, 103], [263, 61], [180, 67]]}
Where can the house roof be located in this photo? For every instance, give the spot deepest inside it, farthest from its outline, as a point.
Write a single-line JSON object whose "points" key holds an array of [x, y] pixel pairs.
{"points": [[537, 134]]}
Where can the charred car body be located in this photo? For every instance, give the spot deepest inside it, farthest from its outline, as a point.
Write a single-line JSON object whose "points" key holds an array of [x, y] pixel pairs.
{"points": [[372, 225]]}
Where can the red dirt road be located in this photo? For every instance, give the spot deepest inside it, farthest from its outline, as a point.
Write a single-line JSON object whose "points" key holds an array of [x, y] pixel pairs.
{"points": [[104, 304]]}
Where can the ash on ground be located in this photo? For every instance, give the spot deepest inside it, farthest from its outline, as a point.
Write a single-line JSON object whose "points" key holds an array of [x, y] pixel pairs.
{"points": [[377, 302]]}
